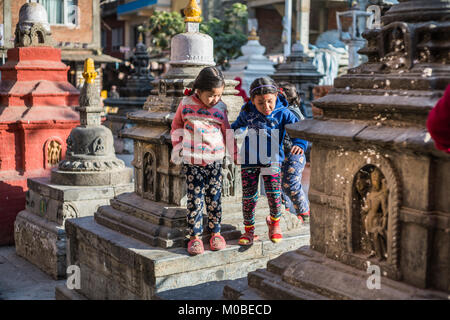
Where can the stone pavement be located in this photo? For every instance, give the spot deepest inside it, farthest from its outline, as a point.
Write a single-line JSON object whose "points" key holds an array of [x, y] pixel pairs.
{"points": [[21, 280]]}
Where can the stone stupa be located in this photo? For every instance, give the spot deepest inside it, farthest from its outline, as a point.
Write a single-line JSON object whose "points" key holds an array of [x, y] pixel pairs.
{"points": [[299, 70], [252, 64], [88, 177]]}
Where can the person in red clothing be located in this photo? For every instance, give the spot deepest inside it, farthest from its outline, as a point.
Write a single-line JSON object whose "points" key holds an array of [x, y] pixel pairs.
{"points": [[438, 123], [242, 92]]}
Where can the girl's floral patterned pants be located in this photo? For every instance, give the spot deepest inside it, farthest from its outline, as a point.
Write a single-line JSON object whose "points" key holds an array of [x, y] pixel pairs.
{"points": [[204, 187]]}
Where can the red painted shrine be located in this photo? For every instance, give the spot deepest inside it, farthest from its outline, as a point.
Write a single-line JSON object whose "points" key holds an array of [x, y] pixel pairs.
{"points": [[36, 116]]}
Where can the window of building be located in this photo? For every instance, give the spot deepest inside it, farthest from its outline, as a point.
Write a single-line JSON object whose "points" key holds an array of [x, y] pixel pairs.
{"points": [[65, 12], [116, 38]]}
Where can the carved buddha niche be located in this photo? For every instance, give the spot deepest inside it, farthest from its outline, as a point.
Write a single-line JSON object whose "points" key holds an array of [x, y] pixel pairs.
{"points": [[370, 213], [53, 153], [396, 55], [149, 171]]}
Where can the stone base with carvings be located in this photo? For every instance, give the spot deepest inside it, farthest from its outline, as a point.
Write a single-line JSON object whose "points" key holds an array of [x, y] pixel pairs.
{"points": [[39, 229]]}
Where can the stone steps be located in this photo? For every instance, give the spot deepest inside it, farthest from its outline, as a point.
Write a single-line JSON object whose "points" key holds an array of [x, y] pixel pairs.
{"points": [[164, 225], [115, 266], [263, 282], [307, 275]]}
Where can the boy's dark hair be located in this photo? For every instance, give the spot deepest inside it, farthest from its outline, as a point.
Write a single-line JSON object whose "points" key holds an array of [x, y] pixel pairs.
{"points": [[263, 85], [209, 78], [290, 92]]}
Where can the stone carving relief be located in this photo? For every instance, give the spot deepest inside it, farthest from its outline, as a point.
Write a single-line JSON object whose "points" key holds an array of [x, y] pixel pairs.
{"points": [[371, 187], [98, 146], [396, 52], [149, 174], [69, 211], [54, 149], [36, 35]]}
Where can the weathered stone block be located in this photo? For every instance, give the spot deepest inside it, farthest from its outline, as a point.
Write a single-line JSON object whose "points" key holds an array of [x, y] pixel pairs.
{"points": [[115, 266]]}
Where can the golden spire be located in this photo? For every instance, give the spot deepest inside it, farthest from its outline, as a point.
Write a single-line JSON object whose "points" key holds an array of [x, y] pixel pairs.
{"points": [[253, 35], [192, 12], [89, 73]]}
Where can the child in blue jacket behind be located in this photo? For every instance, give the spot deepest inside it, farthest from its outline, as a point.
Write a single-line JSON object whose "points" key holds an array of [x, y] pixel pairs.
{"points": [[265, 117]]}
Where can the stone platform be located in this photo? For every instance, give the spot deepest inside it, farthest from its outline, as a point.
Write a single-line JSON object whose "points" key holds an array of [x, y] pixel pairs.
{"points": [[39, 229], [164, 225], [115, 266], [305, 274]]}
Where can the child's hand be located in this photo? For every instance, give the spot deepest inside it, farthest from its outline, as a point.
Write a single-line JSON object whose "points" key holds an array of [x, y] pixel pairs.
{"points": [[296, 150]]}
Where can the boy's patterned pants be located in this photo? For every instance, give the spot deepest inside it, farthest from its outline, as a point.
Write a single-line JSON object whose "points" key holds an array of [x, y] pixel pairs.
{"points": [[294, 196], [204, 186], [272, 185]]}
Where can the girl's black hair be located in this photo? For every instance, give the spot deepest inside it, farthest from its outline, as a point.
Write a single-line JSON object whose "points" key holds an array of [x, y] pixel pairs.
{"points": [[208, 79], [290, 93], [263, 85]]}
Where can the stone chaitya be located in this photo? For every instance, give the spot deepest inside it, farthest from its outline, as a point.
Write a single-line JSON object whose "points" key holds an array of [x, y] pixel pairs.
{"points": [[299, 70], [379, 187], [252, 64], [137, 244], [132, 97], [36, 112], [89, 176]]}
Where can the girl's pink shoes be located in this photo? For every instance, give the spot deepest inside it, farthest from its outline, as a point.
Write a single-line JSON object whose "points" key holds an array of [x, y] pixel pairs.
{"points": [[217, 242], [195, 247]]}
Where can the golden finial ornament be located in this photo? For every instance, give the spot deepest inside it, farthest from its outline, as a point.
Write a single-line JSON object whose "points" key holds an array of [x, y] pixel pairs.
{"points": [[89, 73], [253, 35], [193, 12]]}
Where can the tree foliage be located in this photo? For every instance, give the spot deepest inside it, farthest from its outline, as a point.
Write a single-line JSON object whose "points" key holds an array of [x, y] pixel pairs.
{"points": [[162, 26], [228, 33]]}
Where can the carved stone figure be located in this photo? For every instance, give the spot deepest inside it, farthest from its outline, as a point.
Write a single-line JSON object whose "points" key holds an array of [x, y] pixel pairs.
{"points": [[148, 173], [376, 207], [53, 153], [396, 58]]}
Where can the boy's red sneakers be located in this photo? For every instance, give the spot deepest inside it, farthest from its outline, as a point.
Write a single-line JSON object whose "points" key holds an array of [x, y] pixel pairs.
{"points": [[274, 230]]}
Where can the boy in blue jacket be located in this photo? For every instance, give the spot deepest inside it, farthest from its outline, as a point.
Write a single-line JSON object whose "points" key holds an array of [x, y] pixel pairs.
{"points": [[265, 116]]}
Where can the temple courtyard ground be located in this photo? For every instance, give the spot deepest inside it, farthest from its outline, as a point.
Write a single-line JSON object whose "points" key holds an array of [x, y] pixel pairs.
{"points": [[21, 280]]}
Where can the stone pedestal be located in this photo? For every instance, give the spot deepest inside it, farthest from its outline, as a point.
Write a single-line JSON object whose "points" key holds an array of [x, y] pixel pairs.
{"points": [[141, 237], [36, 113], [89, 177], [39, 229], [379, 200], [252, 64]]}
